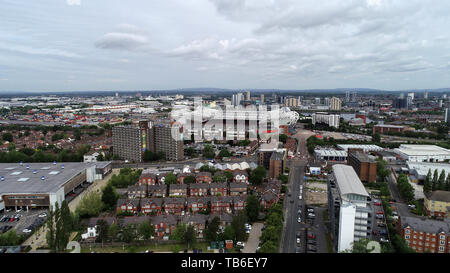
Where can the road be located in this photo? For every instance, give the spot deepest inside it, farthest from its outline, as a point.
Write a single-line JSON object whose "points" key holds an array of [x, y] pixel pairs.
{"points": [[291, 227]]}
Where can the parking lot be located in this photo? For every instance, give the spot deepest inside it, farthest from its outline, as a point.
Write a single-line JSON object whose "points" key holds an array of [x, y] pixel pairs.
{"points": [[20, 220]]}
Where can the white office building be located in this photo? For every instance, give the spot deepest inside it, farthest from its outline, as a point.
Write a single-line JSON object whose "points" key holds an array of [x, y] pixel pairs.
{"points": [[350, 212], [331, 120]]}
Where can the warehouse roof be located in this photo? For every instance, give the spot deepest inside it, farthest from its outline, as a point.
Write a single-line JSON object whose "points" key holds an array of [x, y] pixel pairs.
{"points": [[366, 148], [421, 168], [348, 181], [422, 150], [27, 177], [330, 152]]}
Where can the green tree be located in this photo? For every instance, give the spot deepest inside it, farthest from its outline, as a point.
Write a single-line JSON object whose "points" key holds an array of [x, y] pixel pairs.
{"points": [[50, 236], [252, 208], [212, 228], [170, 179], [113, 231], [189, 236], [435, 180], [208, 152], [102, 230], [189, 179], [268, 247], [7, 137], [109, 197], [129, 233], [405, 188], [271, 233], [179, 232], [441, 181], [283, 178], [376, 138], [283, 138], [90, 205], [427, 184], [219, 178], [447, 183], [228, 233], [146, 230], [257, 175], [224, 153], [238, 224], [229, 175]]}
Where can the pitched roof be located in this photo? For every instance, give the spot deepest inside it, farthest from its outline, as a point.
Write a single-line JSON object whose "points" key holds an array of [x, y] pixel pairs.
{"points": [[348, 181], [442, 196], [425, 224]]}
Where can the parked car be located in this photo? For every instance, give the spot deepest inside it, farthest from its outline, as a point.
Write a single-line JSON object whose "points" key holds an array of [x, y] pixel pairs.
{"points": [[297, 250], [380, 212], [382, 225], [311, 215], [26, 230], [310, 210], [384, 240], [311, 235], [377, 204], [240, 244], [311, 248], [299, 219], [311, 242], [298, 240]]}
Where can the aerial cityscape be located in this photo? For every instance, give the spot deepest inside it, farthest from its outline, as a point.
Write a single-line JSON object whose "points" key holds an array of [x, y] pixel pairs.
{"points": [[116, 144]]}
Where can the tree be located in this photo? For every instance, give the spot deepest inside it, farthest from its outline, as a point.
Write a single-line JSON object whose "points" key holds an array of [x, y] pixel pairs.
{"points": [[179, 232], [283, 178], [219, 178], [283, 138], [224, 153], [271, 233], [66, 222], [427, 184], [189, 151], [252, 208], [447, 184], [149, 156], [229, 175], [91, 205], [228, 234], [128, 234], [189, 236], [189, 179], [212, 228], [208, 152], [257, 175], [268, 247], [238, 224], [109, 197], [441, 181], [50, 236], [113, 231], [405, 188], [435, 180], [7, 137], [170, 179], [146, 230], [102, 230]]}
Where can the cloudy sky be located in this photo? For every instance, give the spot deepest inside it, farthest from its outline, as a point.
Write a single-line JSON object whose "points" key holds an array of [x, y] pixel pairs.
{"points": [[64, 45]]}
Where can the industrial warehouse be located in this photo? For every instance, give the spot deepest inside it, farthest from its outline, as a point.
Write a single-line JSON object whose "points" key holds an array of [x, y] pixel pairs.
{"points": [[39, 185]]}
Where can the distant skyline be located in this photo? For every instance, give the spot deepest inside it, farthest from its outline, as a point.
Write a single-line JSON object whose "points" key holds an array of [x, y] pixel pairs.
{"points": [[77, 45]]}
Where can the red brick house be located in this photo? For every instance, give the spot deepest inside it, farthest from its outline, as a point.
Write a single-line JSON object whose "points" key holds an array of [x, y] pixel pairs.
{"points": [[137, 191], [157, 190], [200, 189], [196, 204], [182, 176], [225, 219], [239, 203], [151, 206], [127, 205], [174, 205], [219, 189], [237, 189], [221, 204], [148, 177], [177, 190], [240, 176], [203, 177], [198, 221], [164, 225]]}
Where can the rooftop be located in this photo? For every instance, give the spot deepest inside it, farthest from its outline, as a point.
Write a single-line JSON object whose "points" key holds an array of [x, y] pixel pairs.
{"points": [[27, 178], [348, 181], [426, 225], [422, 150], [442, 196]]}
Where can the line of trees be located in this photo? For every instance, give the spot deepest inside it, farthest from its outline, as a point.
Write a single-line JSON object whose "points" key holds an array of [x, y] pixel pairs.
{"points": [[270, 237], [436, 182], [404, 187], [60, 223]]}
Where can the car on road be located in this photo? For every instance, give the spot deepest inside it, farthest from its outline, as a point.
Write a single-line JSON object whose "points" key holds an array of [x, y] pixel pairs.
{"points": [[41, 215], [298, 240], [300, 197], [411, 206], [26, 230], [297, 250], [379, 216], [311, 215], [310, 210], [292, 201], [299, 219]]}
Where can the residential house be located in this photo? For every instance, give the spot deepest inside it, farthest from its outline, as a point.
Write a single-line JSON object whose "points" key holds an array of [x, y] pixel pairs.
{"points": [[148, 177], [238, 189], [151, 206], [221, 204], [127, 205], [225, 219], [203, 177], [137, 191], [239, 203], [240, 176], [437, 203], [164, 225], [177, 190], [174, 205], [199, 189], [91, 233], [219, 189], [157, 190], [196, 204], [198, 221]]}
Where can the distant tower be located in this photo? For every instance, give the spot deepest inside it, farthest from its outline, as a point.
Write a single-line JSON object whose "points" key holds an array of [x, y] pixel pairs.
{"points": [[117, 94], [247, 95], [262, 98], [425, 95], [440, 103], [447, 115], [353, 96], [326, 101], [347, 96]]}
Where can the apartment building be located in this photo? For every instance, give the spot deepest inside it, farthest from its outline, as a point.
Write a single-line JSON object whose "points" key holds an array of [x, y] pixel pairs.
{"points": [[350, 212], [364, 166]]}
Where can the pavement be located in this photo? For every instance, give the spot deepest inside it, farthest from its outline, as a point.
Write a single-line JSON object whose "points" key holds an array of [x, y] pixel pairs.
{"points": [[253, 240]]}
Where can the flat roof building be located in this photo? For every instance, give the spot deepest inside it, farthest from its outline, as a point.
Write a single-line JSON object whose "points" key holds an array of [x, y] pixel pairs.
{"points": [[364, 147], [43, 184], [422, 153]]}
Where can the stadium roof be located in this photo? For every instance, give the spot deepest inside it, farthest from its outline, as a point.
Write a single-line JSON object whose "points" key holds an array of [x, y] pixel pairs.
{"points": [[348, 181]]}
